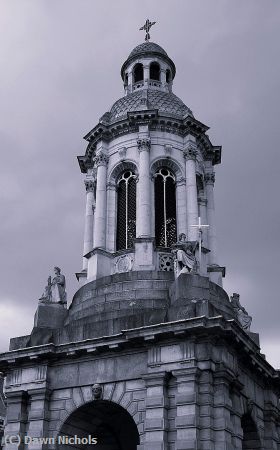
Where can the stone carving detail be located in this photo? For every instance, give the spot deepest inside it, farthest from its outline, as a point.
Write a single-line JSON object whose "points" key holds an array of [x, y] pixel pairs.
{"points": [[168, 149], [165, 262], [122, 152], [190, 152], [101, 160], [184, 256], [89, 184], [97, 391], [144, 144], [55, 290], [209, 178], [242, 316], [124, 263]]}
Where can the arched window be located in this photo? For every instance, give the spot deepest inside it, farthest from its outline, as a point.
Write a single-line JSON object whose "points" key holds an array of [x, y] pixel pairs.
{"points": [[165, 208], [155, 71], [167, 76], [126, 212], [138, 73]]}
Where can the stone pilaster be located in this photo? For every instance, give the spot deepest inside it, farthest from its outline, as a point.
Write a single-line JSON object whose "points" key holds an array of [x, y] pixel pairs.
{"points": [[191, 191], [223, 426], [16, 418], [38, 416], [89, 219], [181, 206], [212, 239], [143, 224], [187, 409], [101, 162], [156, 424], [206, 400]]}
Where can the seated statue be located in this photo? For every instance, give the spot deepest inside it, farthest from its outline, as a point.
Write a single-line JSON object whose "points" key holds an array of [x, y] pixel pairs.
{"points": [[242, 316], [184, 253], [55, 290]]}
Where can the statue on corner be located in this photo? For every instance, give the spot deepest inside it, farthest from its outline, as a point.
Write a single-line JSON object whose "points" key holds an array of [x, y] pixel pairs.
{"points": [[184, 256], [242, 316], [55, 290]]}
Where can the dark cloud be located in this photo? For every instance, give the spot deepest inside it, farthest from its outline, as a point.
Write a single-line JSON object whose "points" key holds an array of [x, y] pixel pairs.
{"points": [[61, 71]]}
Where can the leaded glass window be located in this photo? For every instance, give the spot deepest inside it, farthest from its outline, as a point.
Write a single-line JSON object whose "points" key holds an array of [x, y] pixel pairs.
{"points": [[165, 208], [126, 212]]}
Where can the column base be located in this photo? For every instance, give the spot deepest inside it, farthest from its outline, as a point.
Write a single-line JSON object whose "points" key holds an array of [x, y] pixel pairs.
{"points": [[99, 264]]}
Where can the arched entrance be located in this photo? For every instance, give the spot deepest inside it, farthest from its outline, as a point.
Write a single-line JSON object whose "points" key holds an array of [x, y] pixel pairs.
{"points": [[251, 440], [109, 423]]}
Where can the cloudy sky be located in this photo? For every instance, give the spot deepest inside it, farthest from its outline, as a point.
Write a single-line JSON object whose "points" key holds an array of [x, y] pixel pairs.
{"points": [[60, 71]]}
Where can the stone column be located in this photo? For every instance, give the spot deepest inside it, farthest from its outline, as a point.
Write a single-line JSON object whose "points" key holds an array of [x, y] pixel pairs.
{"points": [[181, 206], [89, 219], [212, 240], [192, 205], [111, 217], [156, 412], [101, 162], [143, 222], [38, 416], [187, 415], [202, 208], [146, 75], [16, 418]]}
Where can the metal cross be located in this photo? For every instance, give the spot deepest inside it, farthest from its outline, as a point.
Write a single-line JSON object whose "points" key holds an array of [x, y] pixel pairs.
{"points": [[147, 27], [200, 227]]}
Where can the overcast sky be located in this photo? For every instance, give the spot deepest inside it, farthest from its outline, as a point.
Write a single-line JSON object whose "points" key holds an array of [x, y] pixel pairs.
{"points": [[60, 71]]}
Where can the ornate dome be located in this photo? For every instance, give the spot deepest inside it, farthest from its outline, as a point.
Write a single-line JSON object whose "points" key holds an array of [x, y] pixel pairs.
{"points": [[165, 102], [147, 47]]}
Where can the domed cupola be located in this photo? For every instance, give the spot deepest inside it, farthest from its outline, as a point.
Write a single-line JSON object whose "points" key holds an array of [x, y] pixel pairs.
{"points": [[148, 67]]}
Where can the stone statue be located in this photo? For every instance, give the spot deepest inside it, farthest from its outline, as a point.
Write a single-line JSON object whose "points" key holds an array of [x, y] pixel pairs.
{"points": [[47, 294], [58, 287], [184, 253], [55, 290], [97, 391], [242, 316]]}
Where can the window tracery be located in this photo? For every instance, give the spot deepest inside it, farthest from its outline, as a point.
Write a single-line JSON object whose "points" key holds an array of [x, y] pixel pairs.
{"points": [[165, 208], [126, 210]]}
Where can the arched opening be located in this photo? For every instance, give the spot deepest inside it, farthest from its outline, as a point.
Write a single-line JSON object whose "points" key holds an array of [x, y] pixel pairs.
{"points": [[126, 210], [168, 76], [251, 440], [138, 73], [155, 71], [165, 208], [109, 423]]}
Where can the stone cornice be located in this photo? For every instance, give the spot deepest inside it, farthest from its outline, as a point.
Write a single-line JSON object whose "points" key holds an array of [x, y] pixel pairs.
{"points": [[156, 121], [185, 328]]}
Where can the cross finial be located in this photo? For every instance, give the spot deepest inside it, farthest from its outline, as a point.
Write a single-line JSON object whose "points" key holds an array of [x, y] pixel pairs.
{"points": [[147, 27]]}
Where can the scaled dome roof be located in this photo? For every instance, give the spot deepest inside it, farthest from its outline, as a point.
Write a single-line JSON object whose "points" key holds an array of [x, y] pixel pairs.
{"points": [[147, 47], [164, 102]]}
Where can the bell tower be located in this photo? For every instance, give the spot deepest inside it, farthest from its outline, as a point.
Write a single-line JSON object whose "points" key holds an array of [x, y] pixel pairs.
{"points": [[149, 168], [152, 353]]}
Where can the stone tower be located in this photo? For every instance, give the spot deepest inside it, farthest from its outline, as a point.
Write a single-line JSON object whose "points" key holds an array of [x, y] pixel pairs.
{"points": [[151, 353]]}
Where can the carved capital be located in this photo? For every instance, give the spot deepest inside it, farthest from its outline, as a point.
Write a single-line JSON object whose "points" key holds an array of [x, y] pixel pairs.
{"points": [[101, 160], [89, 184], [209, 178], [144, 144], [190, 153]]}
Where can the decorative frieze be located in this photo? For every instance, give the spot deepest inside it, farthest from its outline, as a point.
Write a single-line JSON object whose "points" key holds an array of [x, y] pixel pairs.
{"points": [[124, 263], [165, 262]]}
